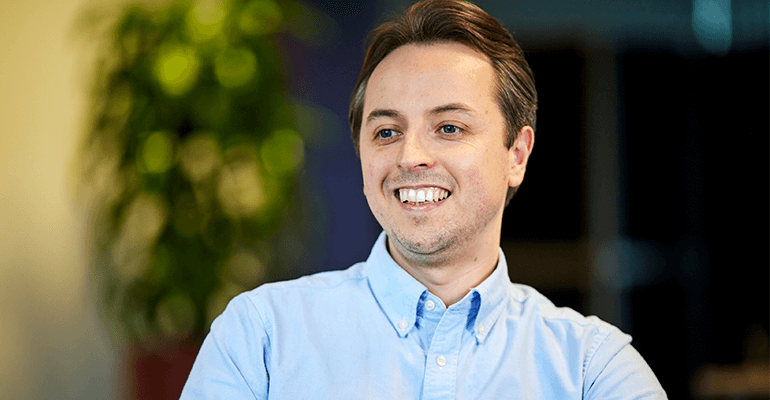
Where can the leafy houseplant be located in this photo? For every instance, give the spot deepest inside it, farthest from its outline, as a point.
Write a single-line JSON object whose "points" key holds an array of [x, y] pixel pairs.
{"points": [[191, 154]]}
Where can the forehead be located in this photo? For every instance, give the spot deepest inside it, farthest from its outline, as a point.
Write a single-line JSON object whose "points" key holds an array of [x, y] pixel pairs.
{"points": [[425, 75]]}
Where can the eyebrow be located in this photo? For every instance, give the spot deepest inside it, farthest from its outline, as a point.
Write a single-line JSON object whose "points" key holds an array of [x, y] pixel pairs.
{"points": [[452, 107], [379, 113]]}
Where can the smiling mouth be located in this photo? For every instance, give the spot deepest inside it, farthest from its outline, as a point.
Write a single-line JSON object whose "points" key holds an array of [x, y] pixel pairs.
{"points": [[420, 196]]}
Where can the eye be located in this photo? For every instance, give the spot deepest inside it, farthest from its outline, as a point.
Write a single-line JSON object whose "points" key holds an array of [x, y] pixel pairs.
{"points": [[449, 129], [386, 133]]}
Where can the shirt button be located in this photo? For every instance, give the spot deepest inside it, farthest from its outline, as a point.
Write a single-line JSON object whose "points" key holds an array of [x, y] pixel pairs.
{"points": [[430, 305], [403, 324], [441, 361], [481, 329]]}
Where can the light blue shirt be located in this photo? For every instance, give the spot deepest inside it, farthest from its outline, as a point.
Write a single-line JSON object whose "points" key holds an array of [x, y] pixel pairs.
{"points": [[374, 332]]}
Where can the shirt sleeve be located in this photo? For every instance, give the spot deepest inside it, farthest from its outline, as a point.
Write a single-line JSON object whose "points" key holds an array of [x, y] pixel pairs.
{"points": [[621, 375], [231, 363]]}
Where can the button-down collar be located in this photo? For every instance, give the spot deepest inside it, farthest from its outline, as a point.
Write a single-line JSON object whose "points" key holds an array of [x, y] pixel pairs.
{"points": [[398, 293], [493, 293]]}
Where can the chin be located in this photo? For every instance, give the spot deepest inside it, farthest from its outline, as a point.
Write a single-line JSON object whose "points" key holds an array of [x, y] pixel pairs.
{"points": [[422, 243]]}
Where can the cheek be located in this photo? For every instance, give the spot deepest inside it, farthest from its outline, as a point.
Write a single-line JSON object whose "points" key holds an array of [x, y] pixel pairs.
{"points": [[372, 172], [482, 189], [485, 175]]}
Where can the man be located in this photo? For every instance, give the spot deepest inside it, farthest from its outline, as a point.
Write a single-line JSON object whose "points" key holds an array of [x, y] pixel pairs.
{"points": [[443, 119]]}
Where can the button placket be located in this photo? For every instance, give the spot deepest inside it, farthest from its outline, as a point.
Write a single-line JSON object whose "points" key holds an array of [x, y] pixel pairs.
{"points": [[441, 363]]}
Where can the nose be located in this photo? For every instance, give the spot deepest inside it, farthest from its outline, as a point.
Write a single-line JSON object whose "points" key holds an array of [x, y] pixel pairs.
{"points": [[415, 153]]}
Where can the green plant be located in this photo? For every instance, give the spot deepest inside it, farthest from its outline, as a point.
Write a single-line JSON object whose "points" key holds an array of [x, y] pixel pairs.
{"points": [[192, 151]]}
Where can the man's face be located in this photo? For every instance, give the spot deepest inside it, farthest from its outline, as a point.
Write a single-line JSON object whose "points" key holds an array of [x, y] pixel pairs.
{"points": [[433, 135]]}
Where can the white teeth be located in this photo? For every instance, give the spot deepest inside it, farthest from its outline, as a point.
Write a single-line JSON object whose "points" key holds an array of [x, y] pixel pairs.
{"points": [[422, 195]]}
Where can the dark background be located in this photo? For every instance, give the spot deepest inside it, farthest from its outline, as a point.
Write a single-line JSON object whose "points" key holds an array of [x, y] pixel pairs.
{"points": [[646, 197]]}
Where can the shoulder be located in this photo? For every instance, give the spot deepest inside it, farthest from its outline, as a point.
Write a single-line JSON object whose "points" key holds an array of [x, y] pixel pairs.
{"points": [[306, 293], [528, 302], [608, 366], [597, 340], [256, 310], [322, 283]]}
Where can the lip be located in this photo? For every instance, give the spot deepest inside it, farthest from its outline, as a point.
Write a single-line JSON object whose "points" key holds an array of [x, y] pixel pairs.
{"points": [[422, 207], [415, 187]]}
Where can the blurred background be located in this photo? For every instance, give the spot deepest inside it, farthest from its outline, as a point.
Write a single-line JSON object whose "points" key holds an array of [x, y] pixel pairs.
{"points": [[645, 203]]}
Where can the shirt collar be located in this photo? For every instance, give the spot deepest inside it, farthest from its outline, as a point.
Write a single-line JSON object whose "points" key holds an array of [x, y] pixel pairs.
{"points": [[492, 292], [398, 293]]}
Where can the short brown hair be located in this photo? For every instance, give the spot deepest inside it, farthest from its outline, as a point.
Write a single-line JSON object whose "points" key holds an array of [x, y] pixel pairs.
{"points": [[434, 21]]}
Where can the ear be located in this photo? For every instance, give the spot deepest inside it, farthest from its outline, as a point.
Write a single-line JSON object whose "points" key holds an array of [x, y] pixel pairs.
{"points": [[518, 155]]}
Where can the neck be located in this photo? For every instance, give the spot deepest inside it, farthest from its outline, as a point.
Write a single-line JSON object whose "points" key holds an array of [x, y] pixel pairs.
{"points": [[452, 274]]}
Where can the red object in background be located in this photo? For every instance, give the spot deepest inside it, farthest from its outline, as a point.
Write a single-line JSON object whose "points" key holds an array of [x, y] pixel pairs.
{"points": [[160, 373]]}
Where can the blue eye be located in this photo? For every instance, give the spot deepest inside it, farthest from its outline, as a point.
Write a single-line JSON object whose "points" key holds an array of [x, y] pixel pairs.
{"points": [[386, 133], [449, 129]]}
